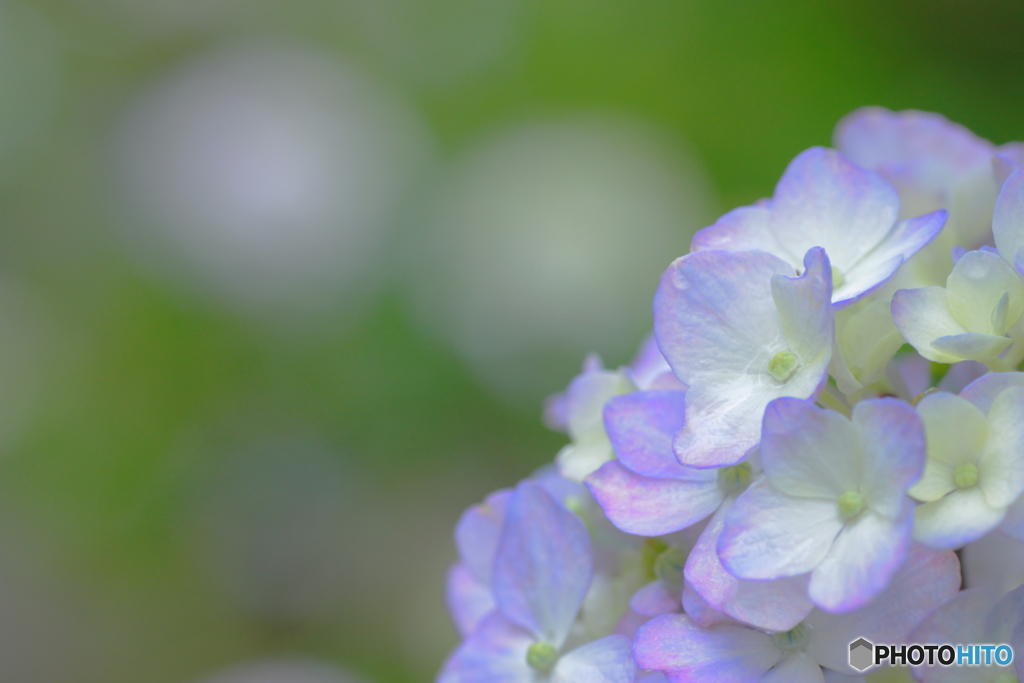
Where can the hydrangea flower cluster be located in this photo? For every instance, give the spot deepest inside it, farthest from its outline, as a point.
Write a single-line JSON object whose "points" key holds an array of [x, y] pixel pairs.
{"points": [[830, 406]]}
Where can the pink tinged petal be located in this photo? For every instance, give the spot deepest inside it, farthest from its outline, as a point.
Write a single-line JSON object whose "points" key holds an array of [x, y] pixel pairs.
{"points": [[608, 660], [769, 535], [713, 313], [556, 412], [641, 427], [795, 440], [862, 561], [477, 534], [1008, 219], [894, 452], [1001, 467], [795, 667], [699, 611], [495, 653], [724, 653], [468, 600], [922, 316], [647, 506], [744, 229], [925, 581], [903, 241], [655, 599], [825, 201], [983, 391], [769, 605], [957, 519], [543, 566]]}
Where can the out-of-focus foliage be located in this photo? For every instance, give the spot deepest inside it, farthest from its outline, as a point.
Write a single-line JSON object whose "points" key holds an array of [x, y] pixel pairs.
{"points": [[189, 485]]}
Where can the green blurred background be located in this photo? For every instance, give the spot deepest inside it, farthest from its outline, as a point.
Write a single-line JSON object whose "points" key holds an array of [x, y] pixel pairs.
{"points": [[200, 468]]}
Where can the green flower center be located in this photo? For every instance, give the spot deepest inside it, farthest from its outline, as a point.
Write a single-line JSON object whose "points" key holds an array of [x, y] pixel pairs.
{"points": [[965, 475], [850, 504], [783, 365], [541, 656], [735, 478], [793, 639]]}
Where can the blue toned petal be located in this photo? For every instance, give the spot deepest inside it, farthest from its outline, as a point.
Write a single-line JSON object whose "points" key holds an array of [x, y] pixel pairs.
{"points": [[654, 599], [894, 452], [649, 506], [769, 605], [641, 427], [724, 653], [477, 534], [608, 660], [743, 229], [495, 653], [468, 600], [543, 566], [1008, 219], [906, 239], [825, 201]]}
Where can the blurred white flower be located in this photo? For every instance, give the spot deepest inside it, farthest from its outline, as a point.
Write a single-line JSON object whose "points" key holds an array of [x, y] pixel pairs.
{"points": [[547, 241], [268, 177]]}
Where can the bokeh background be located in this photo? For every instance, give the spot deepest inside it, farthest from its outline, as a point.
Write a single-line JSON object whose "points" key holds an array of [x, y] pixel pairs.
{"points": [[283, 284]]}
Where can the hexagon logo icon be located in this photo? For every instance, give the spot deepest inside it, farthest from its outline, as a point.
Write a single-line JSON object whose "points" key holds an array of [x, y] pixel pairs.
{"points": [[861, 652]]}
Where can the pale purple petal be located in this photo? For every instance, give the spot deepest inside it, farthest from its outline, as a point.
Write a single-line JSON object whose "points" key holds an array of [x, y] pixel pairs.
{"points": [[543, 566], [925, 581], [1013, 523], [795, 667], [825, 201], [796, 436], [905, 239], [769, 605], [957, 519], [836, 677], [608, 660], [994, 563], [716, 320], [469, 601], [699, 611], [648, 364], [983, 391], [769, 535], [724, 653], [744, 229], [495, 653], [477, 534], [648, 506], [654, 599], [862, 561], [1008, 219], [894, 452], [641, 427], [801, 303]]}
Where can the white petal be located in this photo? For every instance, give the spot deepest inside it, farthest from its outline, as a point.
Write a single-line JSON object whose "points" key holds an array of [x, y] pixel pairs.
{"points": [[974, 288], [971, 346], [769, 535], [608, 660], [861, 562], [959, 518], [956, 430], [893, 440], [1001, 467], [923, 316], [796, 438], [983, 391], [577, 460]]}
